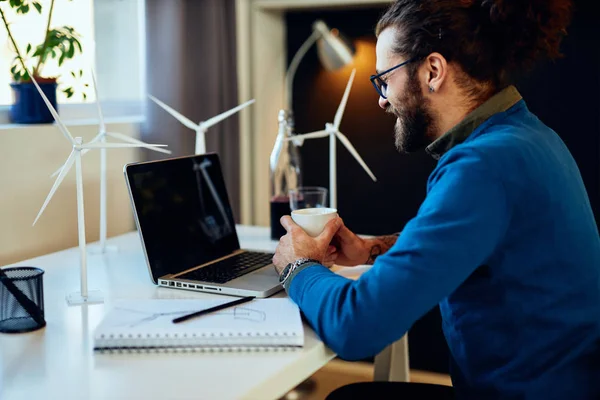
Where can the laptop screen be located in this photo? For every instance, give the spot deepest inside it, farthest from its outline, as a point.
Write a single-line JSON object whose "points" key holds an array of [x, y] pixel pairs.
{"points": [[183, 212]]}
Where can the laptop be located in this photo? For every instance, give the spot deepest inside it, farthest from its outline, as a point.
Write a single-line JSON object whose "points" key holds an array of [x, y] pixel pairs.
{"points": [[188, 233]]}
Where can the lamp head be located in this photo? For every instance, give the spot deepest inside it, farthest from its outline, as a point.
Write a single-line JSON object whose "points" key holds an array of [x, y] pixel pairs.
{"points": [[333, 49]]}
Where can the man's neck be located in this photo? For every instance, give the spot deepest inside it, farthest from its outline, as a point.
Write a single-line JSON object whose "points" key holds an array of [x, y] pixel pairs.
{"points": [[459, 122], [455, 109]]}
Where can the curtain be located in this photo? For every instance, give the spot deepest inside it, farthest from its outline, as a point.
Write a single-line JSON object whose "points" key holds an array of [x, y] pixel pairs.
{"points": [[191, 66]]}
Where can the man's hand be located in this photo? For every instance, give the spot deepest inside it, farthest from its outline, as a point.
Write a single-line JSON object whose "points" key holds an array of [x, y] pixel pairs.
{"points": [[353, 250], [297, 244]]}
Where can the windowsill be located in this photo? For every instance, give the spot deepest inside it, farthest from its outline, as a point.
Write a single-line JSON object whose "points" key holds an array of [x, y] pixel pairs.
{"points": [[127, 119], [85, 115]]}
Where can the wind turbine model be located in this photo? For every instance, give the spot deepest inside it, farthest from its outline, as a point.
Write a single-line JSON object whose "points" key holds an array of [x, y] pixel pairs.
{"points": [[202, 127], [332, 130], [84, 296], [101, 137]]}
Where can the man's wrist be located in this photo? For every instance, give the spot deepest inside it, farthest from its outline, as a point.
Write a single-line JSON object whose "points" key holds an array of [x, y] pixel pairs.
{"points": [[378, 246], [373, 250], [293, 268]]}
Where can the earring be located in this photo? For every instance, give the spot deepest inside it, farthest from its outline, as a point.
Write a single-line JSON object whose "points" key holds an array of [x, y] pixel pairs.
{"points": [[431, 89]]}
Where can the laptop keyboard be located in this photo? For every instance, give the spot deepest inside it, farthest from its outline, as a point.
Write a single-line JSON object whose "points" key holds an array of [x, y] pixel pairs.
{"points": [[230, 268]]}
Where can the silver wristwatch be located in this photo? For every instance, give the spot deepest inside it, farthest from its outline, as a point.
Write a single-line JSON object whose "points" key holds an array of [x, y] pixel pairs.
{"points": [[291, 267]]}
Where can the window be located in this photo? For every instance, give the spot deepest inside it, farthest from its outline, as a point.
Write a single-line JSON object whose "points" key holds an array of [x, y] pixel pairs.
{"points": [[113, 40], [30, 28], [119, 30]]}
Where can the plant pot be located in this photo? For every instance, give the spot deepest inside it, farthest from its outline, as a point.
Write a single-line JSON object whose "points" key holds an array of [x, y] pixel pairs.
{"points": [[28, 106]]}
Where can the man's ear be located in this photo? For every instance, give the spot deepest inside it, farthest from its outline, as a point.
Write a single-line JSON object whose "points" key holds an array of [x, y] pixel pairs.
{"points": [[435, 71]]}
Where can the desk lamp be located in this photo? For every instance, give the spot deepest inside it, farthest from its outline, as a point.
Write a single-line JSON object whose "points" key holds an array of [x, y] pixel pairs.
{"points": [[333, 50]]}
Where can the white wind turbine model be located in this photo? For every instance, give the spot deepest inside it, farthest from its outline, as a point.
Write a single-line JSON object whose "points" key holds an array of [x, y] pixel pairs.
{"points": [[202, 127], [84, 296], [101, 137], [332, 130]]}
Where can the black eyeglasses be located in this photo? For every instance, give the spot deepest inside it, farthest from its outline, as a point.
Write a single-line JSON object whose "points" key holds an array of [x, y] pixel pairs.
{"points": [[378, 83]]}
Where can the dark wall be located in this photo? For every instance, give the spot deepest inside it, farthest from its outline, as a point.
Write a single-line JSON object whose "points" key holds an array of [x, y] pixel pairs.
{"points": [[563, 94]]}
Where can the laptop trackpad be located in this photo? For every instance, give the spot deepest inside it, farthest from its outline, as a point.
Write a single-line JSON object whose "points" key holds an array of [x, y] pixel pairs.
{"points": [[259, 279]]}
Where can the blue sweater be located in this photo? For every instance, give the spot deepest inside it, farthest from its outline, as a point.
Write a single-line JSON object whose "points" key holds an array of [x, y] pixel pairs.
{"points": [[506, 243]]}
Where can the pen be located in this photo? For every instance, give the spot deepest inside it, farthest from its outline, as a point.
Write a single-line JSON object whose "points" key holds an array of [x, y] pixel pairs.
{"points": [[212, 309]]}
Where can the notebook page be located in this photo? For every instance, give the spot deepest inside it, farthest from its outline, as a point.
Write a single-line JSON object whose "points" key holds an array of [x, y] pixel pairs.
{"points": [[143, 318]]}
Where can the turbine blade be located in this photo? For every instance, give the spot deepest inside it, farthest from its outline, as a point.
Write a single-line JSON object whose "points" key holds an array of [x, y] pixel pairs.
{"points": [[312, 135], [128, 139], [100, 116], [184, 120], [97, 137], [83, 153], [215, 120], [117, 145], [340, 111], [57, 171], [353, 151], [59, 122], [63, 172]]}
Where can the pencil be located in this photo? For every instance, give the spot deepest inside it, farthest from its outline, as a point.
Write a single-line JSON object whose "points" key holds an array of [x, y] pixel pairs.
{"points": [[212, 309]]}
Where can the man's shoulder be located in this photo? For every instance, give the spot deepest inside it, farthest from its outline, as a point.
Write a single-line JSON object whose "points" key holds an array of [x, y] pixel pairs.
{"points": [[506, 144]]}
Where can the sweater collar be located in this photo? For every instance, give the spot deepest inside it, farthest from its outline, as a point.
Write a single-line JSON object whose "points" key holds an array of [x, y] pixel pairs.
{"points": [[499, 102]]}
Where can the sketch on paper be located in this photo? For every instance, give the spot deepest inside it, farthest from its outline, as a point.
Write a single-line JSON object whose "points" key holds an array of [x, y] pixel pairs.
{"points": [[236, 313]]}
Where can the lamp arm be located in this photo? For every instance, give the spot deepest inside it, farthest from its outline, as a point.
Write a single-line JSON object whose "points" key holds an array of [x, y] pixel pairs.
{"points": [[291, 72]]}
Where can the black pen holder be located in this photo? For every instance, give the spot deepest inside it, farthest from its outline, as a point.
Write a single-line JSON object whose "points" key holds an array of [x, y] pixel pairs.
{"points": [[14, 317]]}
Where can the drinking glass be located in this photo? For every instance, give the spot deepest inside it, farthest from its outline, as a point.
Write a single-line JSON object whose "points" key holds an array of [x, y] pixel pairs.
{"points": [[308, 197]]}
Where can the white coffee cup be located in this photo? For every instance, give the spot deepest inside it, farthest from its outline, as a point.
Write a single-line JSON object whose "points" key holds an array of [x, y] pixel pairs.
{"points": [[313, 220]]}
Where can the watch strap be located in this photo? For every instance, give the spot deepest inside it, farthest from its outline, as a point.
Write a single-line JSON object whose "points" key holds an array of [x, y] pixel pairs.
{"points": [[295, 268]]}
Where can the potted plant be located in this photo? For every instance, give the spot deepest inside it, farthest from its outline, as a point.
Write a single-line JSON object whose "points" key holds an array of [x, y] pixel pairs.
{"points": [[61, 44]]}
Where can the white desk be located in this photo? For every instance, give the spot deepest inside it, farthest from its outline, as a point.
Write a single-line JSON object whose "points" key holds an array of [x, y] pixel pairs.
{"points": [[58, 362]]}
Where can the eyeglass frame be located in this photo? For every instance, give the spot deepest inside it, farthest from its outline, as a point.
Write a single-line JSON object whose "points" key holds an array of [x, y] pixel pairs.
{"points": [[377, 77]]}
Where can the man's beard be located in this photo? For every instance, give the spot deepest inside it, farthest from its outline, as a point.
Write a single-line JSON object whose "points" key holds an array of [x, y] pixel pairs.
{"points": [[414, 126]]}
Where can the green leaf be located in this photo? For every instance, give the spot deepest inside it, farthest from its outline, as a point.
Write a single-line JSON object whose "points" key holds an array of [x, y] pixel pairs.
{"points": [[71, 51], [28, 47], [37, 6], [69, 92], [73, 74], [23, 8], [80, 73], [84, 96]]}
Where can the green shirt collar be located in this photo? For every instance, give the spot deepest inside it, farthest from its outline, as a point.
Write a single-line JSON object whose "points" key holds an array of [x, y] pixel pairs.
{"points": [[499, 102]]}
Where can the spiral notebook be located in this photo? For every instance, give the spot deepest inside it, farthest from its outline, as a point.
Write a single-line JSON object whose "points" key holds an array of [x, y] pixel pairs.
{"points": [[147, 325]]}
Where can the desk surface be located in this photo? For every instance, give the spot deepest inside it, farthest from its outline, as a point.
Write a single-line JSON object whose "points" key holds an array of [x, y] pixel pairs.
{"points": [[58, 362]]}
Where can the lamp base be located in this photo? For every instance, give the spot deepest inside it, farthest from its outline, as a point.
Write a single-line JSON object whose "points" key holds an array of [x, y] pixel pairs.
{"points": [[93, 297]]}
